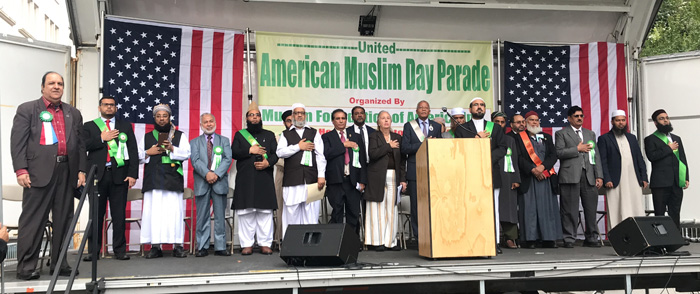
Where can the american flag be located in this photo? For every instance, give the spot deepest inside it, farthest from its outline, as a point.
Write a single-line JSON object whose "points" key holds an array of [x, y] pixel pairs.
{"points": [[550, 79], [193, 70]]}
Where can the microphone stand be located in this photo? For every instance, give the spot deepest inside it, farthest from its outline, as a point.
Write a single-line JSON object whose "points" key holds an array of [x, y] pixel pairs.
{"points": [[444, 109]]}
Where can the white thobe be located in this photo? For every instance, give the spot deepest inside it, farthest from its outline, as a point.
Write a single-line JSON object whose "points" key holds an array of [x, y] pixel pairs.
{"points": [[162, 217], [626, 199], [296, 210], [254, 222]]}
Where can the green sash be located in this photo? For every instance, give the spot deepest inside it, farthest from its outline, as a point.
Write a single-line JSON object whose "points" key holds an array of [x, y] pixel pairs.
{"points": [[682, 169], [167, 160], [591, 153], [113, 147], [489, 128], [250, 139]]}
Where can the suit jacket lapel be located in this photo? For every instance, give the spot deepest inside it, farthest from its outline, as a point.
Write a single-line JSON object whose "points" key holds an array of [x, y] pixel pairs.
{"points": [[67, 119], [572, 133], [614, 141]]}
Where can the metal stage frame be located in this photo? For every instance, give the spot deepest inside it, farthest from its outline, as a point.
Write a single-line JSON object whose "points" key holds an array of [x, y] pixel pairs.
{"points": [[578, 269]]}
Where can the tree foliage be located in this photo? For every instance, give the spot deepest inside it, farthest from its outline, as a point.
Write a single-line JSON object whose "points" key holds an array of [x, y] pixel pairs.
{"points": [[676, 28]]}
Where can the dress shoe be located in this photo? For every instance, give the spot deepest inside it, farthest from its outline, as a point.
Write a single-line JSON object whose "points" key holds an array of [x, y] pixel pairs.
{"points": [[88, 257], [379, 248], [154, 253], [591, 244], [121, 256], [247, 251], [28, 276], [511, 244], [549, 244], [498, 249], [179, 252], [64, 271], [222, 253], [568, 245], [266, 250], [201, 253], [395, 248], [529, 245]]}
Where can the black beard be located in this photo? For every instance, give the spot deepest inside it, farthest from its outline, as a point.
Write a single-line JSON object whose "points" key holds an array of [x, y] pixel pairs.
{"points": [[162, 129], [664, 129], [619, 131], [477, 116], [254, 128]]}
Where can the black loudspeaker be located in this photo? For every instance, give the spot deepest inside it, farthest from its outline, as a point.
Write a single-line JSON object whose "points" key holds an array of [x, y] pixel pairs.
{"points": [[638, 235], [329, 244]]}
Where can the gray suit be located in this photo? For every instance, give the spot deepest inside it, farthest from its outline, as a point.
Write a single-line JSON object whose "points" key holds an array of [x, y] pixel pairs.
{"points": [[577, 177], [205, 192]]}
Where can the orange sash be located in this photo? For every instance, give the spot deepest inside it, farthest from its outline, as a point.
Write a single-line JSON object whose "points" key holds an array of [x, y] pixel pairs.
{"points": [[531, 152]]}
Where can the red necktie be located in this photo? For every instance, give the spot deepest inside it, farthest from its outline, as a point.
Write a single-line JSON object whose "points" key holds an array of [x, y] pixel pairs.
{"points": [[109, 129], [347, 155], [210, 147]]}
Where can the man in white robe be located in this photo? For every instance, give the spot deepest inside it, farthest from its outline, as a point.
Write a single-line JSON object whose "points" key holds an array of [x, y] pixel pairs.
{"points": [[624, 170], [301, 147], [163, 185]]}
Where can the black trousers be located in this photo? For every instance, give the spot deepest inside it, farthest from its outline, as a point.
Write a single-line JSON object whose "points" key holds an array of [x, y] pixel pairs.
{"points": [[668, 198], [345, 201], [413, 193], [37, 202], [116, 194]]}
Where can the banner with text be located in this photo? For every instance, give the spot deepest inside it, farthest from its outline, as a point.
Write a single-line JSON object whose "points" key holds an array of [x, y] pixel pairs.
{"points": [[327, 72]]}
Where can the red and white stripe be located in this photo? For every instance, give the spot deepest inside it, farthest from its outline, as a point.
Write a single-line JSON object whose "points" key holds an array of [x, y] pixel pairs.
{"points": [[597, 72]]}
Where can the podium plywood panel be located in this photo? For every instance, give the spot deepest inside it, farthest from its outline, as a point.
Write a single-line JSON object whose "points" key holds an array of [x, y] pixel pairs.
{"points": [[455, 198]]}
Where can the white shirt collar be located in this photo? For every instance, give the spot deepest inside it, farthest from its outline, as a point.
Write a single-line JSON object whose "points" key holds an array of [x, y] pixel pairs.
{"points": [[575, 129]]}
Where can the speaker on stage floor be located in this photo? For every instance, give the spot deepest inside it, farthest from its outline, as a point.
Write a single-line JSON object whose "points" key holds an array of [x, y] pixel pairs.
{"points": [[312, 245], [638, 235]]}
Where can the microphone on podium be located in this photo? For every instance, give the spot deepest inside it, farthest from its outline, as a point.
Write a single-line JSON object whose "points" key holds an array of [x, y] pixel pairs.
{"points": [[469, 133]]}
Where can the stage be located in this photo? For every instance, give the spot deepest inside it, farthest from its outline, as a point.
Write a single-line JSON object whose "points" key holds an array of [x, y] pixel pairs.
{"points": [[559, 269]]}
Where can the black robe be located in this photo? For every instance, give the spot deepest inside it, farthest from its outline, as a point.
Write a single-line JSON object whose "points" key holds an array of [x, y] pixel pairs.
{"points": [[254, 188]]}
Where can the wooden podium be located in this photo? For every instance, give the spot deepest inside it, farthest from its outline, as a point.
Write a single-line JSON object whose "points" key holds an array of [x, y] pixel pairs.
{"points": [[455, 198]]}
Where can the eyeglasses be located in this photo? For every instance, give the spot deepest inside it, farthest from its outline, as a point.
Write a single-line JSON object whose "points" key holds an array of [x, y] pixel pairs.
{"points": [[253, 114], [298, 113], [108, 104], [577, 115]]}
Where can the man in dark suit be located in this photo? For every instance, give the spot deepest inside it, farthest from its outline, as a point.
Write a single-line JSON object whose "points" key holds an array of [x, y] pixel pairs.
{"points": [[48, 156], [360, 127], [669, 167], [112, 147], [517, 124], [580, 176], [478, 127], [346, 174], [414, 133], [624, 170]]}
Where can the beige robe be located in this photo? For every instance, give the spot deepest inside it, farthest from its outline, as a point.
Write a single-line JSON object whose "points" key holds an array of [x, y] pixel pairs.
{"points": [[626, 199]]}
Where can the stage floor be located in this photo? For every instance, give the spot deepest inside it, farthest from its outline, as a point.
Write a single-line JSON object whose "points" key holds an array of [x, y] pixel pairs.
{"points": [[557, 269]]}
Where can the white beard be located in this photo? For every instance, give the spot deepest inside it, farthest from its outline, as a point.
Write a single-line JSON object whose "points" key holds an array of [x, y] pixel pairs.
{"points": [[534, 130]]}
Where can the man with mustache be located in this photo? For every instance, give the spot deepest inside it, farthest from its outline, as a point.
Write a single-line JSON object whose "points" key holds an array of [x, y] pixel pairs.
{"points": [[49, 160], [669, 167], [624, 170], [517, 125], [538, 209], [211, 158], [254, 198], [580, 176], [163, 185], [304, 163]]}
